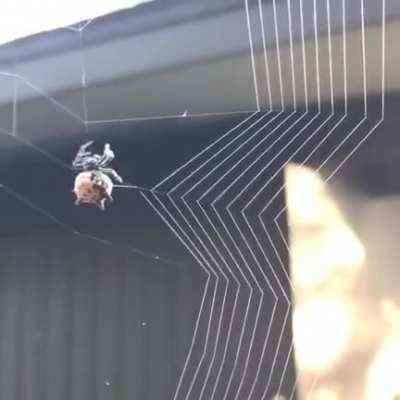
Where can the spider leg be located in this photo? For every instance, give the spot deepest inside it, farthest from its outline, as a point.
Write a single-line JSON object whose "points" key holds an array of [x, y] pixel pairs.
{"points": [[112, 174], [86, 145], [83, 150], [102, 204], [107, 157], [79, 164], [108, 196], [83, 157]]}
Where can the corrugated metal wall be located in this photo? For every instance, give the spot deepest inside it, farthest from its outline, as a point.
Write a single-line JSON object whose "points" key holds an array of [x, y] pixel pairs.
{"points": [[79, 320]]}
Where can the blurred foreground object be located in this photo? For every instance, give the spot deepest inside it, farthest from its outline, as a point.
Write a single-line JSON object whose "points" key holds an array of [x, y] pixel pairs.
{"points": [[347, 345]]}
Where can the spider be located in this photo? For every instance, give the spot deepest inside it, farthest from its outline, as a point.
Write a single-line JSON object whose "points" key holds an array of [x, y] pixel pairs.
{"points": [[94, 183]]}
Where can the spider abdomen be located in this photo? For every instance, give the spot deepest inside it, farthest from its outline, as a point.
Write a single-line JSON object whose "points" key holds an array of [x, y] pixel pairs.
{"points": [[92, 187]]}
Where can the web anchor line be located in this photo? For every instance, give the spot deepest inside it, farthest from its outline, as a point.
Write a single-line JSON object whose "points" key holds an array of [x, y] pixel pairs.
{"points": [[140, 189]]}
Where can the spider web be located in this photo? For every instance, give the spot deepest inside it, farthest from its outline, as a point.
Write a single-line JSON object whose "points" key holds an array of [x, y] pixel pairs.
{"points": [[225, 203]]}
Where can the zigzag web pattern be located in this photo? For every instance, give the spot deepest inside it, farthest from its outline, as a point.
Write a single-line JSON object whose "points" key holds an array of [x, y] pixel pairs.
{"points": [[219, 203], [363, 136]]}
